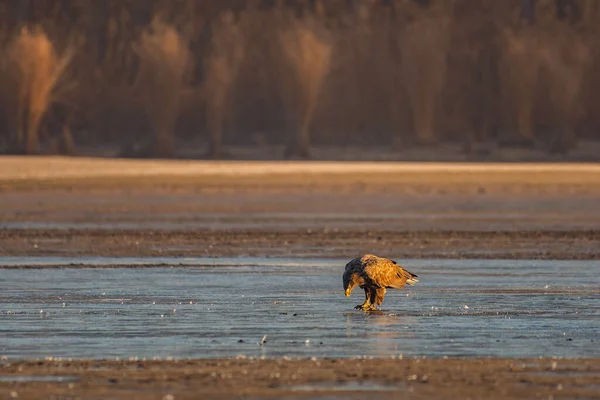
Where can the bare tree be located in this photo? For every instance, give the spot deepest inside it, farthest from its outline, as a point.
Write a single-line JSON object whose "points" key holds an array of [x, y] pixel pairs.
{"points": [[566, 59], [221, 71], [519, 74], [32, 70], [424, 47], [307, 48], [164, 61]]}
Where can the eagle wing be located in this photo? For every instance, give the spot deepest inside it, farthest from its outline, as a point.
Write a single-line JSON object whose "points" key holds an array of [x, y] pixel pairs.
{"points": [[385, 273]]}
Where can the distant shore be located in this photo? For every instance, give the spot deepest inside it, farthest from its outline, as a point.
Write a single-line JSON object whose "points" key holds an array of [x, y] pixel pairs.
{"points": [[57, 206], [81, 173]]}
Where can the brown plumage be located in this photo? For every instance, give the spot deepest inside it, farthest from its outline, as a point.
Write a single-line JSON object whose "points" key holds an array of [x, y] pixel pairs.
{"points": [[375, 275]]}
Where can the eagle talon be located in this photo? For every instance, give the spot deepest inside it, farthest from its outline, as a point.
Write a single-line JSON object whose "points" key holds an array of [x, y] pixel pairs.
{"points": [[370, 307]]}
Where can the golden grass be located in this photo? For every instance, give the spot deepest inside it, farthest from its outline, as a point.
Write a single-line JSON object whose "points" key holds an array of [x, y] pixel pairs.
{"points": [[164, 65], [31, 69]]}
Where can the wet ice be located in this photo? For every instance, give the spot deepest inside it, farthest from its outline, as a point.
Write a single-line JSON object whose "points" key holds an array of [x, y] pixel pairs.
{"points": [[223, 307]]}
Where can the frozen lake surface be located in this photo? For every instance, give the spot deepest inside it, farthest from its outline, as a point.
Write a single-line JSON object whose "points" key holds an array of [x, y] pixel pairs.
{"points": [[222, 307]]}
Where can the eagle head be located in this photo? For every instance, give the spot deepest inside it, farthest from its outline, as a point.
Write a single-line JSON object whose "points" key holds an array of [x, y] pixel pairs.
{"points": [[350, 282]]}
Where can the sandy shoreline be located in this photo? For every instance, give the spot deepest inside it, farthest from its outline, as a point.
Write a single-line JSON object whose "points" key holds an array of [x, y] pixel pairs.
{"points": [[98, 174], [46, 167], [324, 378], [200, 208], [75, 243]]}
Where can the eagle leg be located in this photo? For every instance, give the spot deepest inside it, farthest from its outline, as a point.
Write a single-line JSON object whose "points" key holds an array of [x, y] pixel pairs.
{"points": [[367, 304], [374, 298], [377, 296]]}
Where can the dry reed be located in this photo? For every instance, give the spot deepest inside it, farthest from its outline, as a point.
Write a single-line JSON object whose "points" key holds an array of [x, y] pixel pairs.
{"points": [[31, 69], [164, 65]]}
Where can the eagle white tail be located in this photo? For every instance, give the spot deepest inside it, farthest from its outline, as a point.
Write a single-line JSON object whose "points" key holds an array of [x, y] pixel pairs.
{"points": [[411, 278], [411, 281]]}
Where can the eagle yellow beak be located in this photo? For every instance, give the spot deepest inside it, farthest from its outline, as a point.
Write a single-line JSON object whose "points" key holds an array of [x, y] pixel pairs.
{"points": [[347, 292]]}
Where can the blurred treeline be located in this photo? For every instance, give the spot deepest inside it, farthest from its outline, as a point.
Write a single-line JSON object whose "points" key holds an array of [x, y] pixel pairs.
{"points": [[149, 75]]}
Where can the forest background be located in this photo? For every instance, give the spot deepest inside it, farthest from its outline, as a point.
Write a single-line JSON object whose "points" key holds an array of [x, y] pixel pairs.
{"points": [[173, 78]]}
